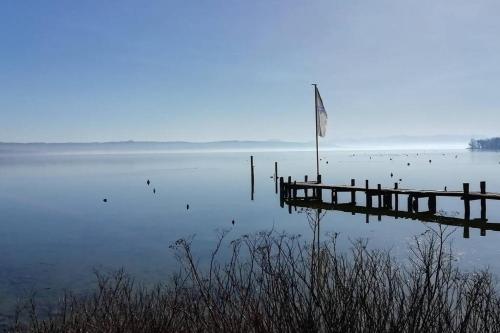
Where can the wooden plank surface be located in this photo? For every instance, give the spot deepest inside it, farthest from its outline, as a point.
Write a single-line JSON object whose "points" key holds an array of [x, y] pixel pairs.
{"points": [[374, 191]]}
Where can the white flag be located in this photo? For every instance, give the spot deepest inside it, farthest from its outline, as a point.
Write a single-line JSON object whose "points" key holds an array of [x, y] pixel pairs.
{"points": [[321, 113]]}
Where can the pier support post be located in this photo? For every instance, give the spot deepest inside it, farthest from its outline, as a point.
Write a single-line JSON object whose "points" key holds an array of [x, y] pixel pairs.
{"points": [[482, 186], [353, 193], [368, 201], [276, 177], [252, 176], [305, 188], [379, 195], [396, 200], [368, 196], [432, 203], [466, 202], [319, 192], [289, 187], [282, 193], [410, 203], [483, 201]]}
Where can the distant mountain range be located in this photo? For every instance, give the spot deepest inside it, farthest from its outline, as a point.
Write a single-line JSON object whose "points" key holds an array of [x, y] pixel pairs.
{"points": [[148, 146], [401, 141]]}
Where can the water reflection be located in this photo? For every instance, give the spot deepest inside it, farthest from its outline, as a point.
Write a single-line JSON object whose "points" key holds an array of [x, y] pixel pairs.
{"points": [[318, 205]]}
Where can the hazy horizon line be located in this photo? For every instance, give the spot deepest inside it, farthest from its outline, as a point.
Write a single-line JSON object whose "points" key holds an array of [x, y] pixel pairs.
{"points": [[439, 137]]}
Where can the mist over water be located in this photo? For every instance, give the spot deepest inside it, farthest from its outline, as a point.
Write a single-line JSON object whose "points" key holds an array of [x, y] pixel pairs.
{"points": [[55, 228]]}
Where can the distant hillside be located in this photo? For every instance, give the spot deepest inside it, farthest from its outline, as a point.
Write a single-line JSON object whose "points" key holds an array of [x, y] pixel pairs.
{"points": [[145, 146], [485, 144]]}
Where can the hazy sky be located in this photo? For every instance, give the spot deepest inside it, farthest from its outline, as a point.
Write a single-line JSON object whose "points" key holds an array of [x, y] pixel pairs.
{"points": [[212, 70]]}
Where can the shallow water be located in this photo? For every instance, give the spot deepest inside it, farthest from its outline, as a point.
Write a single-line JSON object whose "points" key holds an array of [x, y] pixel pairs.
{"points": [[55, 228]]}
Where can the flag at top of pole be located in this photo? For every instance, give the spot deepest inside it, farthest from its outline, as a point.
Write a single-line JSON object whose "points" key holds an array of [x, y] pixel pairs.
{"points": [[321, 114], [321, 118]]}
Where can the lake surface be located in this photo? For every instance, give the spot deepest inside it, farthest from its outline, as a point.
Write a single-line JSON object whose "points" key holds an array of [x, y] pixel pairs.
{"points": [[55, 228]]}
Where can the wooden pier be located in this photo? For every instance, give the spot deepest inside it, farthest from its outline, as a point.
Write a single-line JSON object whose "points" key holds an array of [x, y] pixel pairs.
{"points": [[311, 194]]}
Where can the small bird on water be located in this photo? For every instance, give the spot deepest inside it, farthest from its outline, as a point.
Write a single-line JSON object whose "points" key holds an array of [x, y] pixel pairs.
{"points": [[187, 206], [154, 190], [391, 175], [104, 200], [148, 182], [408, 163], [232, 222]]}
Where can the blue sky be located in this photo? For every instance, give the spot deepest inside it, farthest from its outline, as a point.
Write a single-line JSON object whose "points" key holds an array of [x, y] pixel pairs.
{"points": [[217, 70]]}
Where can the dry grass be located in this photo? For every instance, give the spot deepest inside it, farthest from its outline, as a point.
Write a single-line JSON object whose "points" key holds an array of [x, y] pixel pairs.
{"points": [[279, 283]]}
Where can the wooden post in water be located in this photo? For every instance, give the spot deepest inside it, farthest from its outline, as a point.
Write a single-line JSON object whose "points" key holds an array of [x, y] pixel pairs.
{"points": [[305, 188], [368, 196], [353, 193], [396, 200], [466, 202], [294, 189], [252, 176], [289, 188], [410, 203], [282, 199], [379, 199], [482, 186], [431, 203], [379, 195], [319, 192], [276, 177], [466, 209], [368, 200]]}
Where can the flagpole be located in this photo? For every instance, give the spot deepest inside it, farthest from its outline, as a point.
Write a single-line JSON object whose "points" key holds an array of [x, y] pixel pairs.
{"points": [[316, 117]]}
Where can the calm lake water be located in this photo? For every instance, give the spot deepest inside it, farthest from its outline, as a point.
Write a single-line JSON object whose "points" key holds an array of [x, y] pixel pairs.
{"points": [[55, 228]]}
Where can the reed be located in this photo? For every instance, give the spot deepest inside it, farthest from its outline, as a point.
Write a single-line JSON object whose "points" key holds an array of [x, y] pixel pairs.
{"points": [[280, 283]]}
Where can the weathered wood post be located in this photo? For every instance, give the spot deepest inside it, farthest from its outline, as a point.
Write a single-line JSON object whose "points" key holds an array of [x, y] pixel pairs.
{"points": [[368, 200], [276, 177], [415, 204], [396, 200], [319, 191], [294, 189], [482, 186], [252, 178], [353, 193], [305, 188], [282, 193], [379, 195], [483, 201], [289, 187], [431, 203], [368, 196], [410, 203], [466, 201], [379, 199]]}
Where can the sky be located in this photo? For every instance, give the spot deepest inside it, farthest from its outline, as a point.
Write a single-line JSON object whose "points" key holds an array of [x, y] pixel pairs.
{"points": [[242, 70]]}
